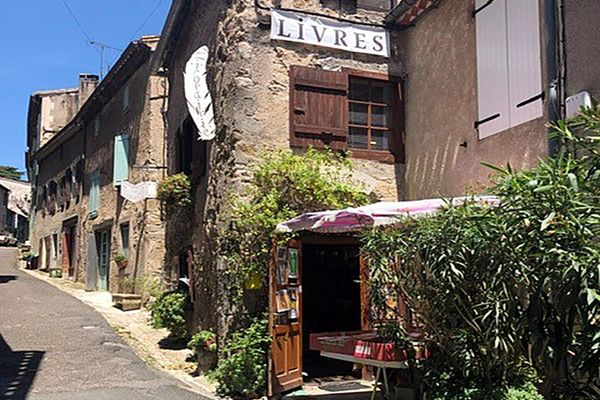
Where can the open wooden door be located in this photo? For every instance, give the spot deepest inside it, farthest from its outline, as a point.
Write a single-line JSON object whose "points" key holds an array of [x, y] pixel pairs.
{"points": [[285, 318]]}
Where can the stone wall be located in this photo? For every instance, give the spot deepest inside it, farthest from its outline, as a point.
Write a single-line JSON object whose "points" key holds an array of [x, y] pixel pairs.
{"points": [[57, 110], [249, 81]]}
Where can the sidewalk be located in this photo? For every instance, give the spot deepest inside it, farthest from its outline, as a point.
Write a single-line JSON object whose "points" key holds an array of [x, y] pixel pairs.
{"points": [[134, 328]]}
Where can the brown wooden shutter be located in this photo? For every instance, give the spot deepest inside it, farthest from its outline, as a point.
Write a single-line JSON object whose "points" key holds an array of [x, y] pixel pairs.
{"points": [[318, 108]]}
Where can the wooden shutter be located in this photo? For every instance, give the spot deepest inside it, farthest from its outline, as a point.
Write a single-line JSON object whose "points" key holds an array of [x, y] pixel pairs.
{"points": [[91, 281], [524, 61], [121, 160], [318, 108], [492, 68], [94, 197]]}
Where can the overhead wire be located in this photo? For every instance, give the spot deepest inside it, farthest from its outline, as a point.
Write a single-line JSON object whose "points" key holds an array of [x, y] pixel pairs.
{"points": [[154, 10], [82, 29]]}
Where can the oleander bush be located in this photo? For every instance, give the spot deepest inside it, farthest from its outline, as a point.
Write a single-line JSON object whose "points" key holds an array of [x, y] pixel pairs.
{"points": [[503, 290]]}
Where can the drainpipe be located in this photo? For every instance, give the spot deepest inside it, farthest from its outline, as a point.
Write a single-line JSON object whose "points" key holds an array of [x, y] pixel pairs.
{"points": [[552, 67]]}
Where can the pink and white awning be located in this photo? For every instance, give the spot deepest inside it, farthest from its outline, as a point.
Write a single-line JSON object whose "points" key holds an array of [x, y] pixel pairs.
{"points": [[373, 215]]}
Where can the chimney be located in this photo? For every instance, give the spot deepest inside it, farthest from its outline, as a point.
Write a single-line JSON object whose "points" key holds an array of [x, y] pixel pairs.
{"points": [[150, 41], [87, 85]]}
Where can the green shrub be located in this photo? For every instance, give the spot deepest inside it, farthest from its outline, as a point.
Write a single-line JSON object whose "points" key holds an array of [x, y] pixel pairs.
{"points": [[242, 372], [525, 392], [175, 192], [169, 312], [28, 256]]}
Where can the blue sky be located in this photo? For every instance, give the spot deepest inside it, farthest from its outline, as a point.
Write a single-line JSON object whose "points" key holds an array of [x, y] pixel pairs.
{"points": [[43, 48]]}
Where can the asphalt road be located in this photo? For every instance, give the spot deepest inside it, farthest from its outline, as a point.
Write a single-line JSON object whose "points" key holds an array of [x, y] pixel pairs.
{"points": [[54, 347]]}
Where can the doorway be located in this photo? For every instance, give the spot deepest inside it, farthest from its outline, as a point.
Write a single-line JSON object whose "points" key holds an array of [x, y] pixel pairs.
{"points": [[103, 245], [331, 302], [70, 247]]}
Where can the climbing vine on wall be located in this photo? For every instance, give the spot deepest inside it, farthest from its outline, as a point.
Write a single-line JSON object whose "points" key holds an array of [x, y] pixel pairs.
{"points": [[283, 185]]}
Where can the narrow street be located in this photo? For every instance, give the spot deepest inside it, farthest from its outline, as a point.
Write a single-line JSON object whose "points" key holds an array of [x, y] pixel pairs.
{"points": [[53, 347]]}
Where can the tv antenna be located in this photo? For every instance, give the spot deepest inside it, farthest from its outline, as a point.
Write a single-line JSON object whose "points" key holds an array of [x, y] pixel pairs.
{"points": [[101, 47]]}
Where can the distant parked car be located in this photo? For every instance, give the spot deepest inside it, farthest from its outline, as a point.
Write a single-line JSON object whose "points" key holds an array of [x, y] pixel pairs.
{"points": [[3, 239]]}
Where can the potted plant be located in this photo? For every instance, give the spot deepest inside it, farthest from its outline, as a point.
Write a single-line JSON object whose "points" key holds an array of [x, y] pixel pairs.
{"points": [[121, 260], [204, 345]]}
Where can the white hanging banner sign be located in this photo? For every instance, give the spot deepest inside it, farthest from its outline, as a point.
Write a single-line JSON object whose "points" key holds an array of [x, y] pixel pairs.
{"points": [[197, 94], [139, 192], [294, 27]]}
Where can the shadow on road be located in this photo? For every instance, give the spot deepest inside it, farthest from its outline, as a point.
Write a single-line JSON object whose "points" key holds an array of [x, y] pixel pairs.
{"points": [[7, 278], [17, 371]]}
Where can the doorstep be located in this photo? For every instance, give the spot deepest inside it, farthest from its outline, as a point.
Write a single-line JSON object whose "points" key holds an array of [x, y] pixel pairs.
{"points": [[314, 391]]}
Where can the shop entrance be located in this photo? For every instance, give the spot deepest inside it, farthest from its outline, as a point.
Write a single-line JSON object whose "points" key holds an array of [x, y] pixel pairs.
{"points": [[331, 302]]}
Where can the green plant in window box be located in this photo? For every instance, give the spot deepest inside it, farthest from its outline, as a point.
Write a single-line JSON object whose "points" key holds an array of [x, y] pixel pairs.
{"points": [[121, 260], [175, 192]]}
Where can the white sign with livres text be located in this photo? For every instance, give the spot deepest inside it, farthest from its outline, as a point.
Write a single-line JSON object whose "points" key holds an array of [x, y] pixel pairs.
{"points": [[294, 27], [197, 94]]}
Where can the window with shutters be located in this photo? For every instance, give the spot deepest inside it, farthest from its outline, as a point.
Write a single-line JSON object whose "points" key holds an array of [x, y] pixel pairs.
{"points": [[94, 195], [508, 64], [121, 160], [351, 110]]}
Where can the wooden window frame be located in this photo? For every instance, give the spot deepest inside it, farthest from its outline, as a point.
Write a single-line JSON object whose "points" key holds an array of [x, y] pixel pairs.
{"points": [[396, 154]]}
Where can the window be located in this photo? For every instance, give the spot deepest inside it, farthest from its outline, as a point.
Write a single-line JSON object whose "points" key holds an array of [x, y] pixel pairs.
{"points": [[508, 64], [94, 195], [125, 239], [185, 146], [370, 109], [351, 5], [349, 110], [377, 5], [191, 152], [121, 160], [126, 98], [52, 193], [96, 126], [54, 246]]}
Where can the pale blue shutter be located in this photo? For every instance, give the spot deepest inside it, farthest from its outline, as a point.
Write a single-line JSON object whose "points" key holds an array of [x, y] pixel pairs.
{"points": [[121, 160], [94, 198], [524, 61], [492, 68]]}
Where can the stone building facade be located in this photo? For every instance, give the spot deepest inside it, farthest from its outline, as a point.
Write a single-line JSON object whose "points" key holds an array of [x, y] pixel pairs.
{"points": [[80, 219], [125, 143], [250, 78], [55, 168]]}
